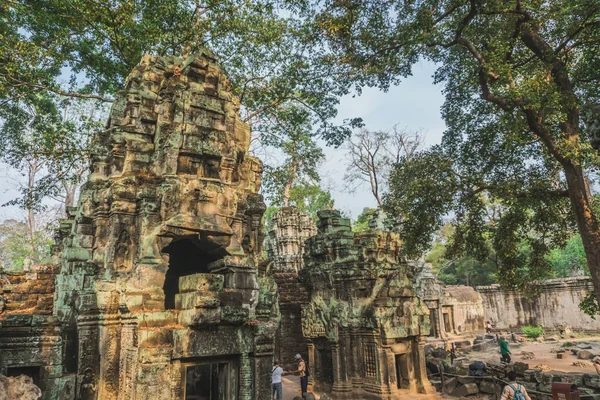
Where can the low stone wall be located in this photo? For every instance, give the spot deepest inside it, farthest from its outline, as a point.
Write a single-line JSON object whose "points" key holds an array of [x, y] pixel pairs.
{"points": [[556, 306], [538, 383]]}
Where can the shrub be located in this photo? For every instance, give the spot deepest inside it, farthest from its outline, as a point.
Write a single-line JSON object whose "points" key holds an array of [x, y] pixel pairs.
{"points": [[533, 332]]}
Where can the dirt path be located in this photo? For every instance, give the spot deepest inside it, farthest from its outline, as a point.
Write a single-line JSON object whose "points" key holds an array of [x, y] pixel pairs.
{"points": [[544, 354]]}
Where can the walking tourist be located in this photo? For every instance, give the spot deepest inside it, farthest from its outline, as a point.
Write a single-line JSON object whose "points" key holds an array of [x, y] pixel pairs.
{"points": [[276, 381], [514, 390], [488, 327], [504, 350]]}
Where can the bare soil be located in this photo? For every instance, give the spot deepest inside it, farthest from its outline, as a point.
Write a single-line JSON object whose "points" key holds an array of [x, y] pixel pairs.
{"points": [[544, 354]]}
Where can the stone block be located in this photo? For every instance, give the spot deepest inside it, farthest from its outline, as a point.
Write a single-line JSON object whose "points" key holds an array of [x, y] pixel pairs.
{"points": [[486, 386], [520, 368], [466, 379], [200, 317], [201, 283], [591, 380], [585, 355], [450, 385], [467, 389], [189, 300]]}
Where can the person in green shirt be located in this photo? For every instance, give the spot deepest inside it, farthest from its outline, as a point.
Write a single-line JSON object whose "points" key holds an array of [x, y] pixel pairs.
{"points": [[504, 350]]}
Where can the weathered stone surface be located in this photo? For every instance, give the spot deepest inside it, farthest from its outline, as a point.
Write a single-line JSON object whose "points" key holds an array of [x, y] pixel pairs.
{"points": [[159, 260], [285, 251], [591, 380], [364, 307], [585, 355], [520, 368], [487, 387], [465, 390], [18, 388], [557, 306]]}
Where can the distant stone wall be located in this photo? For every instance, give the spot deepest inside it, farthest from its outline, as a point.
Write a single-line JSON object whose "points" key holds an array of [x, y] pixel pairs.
{"points": [[556, 306]]}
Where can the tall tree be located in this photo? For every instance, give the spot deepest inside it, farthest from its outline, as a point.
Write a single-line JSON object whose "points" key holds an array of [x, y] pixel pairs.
{"points": [[47, 137], [289, 135], [271, 64], [516, 74], [372, 154]]}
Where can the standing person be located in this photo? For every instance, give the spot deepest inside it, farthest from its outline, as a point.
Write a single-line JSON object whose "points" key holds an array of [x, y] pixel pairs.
{"points": [[504, 350], [276, 381], [488, 327], [303, 374], [514, 390]]}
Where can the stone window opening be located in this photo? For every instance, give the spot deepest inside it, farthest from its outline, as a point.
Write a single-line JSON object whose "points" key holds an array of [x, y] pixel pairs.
{"points": [[32, 371], [187, 255]]}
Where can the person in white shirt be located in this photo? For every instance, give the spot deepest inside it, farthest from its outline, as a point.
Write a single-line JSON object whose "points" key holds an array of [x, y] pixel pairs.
{"points": [[276, 381]]}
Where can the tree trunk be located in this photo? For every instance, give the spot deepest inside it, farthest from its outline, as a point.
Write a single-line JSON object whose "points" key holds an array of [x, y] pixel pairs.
{"points": [[290, 182], [32, 171], [587, 221]]}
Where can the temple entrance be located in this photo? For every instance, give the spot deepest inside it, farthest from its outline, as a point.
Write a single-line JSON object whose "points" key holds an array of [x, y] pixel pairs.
{"points": [[323, 365], [210, 381], [402, 371], [187, 255], [448, 314]]}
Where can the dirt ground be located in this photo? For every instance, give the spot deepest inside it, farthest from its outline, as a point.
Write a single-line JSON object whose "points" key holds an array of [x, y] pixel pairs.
{"points": [[545, 354]]}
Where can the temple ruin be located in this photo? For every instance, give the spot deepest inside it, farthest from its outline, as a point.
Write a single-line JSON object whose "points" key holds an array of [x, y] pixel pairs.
{"points": [[365, 325], [163, 289]]}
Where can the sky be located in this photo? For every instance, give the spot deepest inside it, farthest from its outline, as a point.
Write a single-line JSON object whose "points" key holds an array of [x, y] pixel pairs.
{"points": [[414, 104]]}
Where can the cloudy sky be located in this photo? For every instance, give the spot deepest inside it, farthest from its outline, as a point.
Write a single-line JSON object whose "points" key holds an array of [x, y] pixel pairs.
{"points": [[414, 105]]}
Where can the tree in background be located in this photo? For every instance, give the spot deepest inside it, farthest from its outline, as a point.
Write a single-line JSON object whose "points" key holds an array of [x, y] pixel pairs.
{"points": [[516, 75], [271, 63], [372, 154], [47, 137], [362, 221]]}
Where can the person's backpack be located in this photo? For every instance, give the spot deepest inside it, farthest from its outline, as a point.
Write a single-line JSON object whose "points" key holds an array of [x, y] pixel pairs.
{"points": [[306, 370], [518, 394]]}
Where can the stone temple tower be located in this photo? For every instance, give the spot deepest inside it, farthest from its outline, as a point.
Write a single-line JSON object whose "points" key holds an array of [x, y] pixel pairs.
{"points": [[158, 293]]}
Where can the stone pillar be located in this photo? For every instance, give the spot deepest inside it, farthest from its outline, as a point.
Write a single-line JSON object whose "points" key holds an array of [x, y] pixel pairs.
{"points": [[110, 340], [245, 386], [423, 384], [311, 364]]}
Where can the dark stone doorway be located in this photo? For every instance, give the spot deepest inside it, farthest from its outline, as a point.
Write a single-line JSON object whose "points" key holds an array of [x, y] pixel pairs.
{"points": [[32, 372], [187, 255], [402, 371], [207, 382]]}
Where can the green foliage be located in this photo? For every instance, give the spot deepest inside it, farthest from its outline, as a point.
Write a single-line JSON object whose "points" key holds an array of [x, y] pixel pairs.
{"points": [[17, 245], [461, 270], [569, 260], [47, 137], [362, 221], [590, 305], [533, 332], [306, 197], [514, 75]]}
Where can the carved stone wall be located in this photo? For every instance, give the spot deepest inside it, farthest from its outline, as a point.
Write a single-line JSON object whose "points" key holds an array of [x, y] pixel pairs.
{"points": [[158, 294], [285, 252], [556, 306], [366, 326]]}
